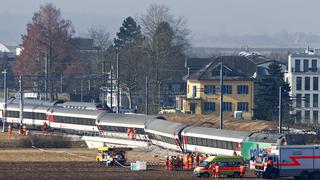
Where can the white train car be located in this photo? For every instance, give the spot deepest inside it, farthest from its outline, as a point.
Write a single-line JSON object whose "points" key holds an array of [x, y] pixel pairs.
{"points": [[165, 134], [117, 125], [34, 116], [212, 141], [74, 121]]}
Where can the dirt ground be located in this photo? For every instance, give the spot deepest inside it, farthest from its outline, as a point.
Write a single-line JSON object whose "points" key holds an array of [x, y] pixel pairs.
{"points": [[230, 123]]}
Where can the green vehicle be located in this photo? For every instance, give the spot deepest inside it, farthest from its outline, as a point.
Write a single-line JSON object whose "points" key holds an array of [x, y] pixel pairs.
{"points": [[229, 166]]}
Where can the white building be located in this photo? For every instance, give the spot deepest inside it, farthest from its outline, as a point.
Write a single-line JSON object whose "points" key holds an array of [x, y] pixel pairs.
{"points": [[303, 76]]}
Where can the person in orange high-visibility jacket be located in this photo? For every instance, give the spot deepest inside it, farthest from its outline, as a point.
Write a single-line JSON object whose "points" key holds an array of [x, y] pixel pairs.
{"points": [[242, 171], [190, 161], [129, 133], [9, 130], [134, 134], [185, 160]]}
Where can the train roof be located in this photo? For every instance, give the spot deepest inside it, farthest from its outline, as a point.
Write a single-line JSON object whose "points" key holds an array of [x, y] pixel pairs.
{"points": [[79, 105], [29, 107], [36, 102], [128, 119], [76, 112], [211, 133], [164, 126]]}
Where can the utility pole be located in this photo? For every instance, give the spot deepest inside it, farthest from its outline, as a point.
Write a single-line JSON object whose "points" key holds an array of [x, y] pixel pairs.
{"points": [[61, 83], [147, 96], [46, 77], [4, 118], [118, 84], [81, 90], [280, 110], [111, 88], [21, 100], [221, 95]]}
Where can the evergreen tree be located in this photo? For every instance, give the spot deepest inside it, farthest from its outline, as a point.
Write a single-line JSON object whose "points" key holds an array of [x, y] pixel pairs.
{"points": [[267, 95], [129, 45]]}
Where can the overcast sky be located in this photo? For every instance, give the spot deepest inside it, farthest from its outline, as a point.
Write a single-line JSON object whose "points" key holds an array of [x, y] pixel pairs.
{"points": [[205, 17]]}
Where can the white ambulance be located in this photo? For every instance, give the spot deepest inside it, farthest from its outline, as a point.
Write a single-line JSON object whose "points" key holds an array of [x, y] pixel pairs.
{"points": [[297, 161]]}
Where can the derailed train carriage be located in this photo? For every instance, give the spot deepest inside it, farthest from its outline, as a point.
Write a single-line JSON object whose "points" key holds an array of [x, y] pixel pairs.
{"points": [[117, 125], [166, 134], [210, 140]]}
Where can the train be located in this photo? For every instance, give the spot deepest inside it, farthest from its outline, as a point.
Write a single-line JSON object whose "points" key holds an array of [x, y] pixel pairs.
{"points": [[109, 127]]}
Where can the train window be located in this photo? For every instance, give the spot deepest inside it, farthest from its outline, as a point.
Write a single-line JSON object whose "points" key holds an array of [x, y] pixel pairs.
{"points": [[204, 142], [198, 141], [224, 144], [219, 144], [189, 139], [214, 143], [209, 141]]}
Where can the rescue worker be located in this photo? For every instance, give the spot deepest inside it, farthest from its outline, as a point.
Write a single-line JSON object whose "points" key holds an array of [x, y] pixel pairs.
{"points": [[134, 134], [202, 158], [197, 159], [181, 162], [242, 170], [235, 153], [129, 133], [166, 163], [9, 130], [190, 162], [178, 165], [45, 127], [170, 163], [186, 159], [217, 171], [270, 162]]}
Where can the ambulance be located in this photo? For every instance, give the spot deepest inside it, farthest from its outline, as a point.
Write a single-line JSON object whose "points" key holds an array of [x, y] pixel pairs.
{"points": [[229, 166], [301, 162]]}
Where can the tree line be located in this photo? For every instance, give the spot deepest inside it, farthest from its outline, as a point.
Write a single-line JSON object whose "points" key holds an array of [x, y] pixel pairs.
{"points": [[152, 45]]}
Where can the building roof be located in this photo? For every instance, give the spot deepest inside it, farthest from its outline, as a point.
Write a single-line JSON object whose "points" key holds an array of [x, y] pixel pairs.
{"points": [[197, 62], [235, 68], [265, 137]]}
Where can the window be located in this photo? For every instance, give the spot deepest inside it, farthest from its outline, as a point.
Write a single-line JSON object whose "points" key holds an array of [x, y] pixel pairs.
{"points": [[227, 89], [315, 83], [305, 65], [315, 100], [194, 91], [209, 89], [227, 106], [307, 116], [299, 83], [307, 83], [307, 100], [298, 100], [314, 65], [297, 65], [315, 116], [243, 89], [209, 106], [298, 116], [243, 106]]}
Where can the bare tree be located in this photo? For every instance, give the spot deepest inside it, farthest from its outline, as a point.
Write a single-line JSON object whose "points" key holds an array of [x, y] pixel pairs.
{"points": [[101, 37], [166, 42]]}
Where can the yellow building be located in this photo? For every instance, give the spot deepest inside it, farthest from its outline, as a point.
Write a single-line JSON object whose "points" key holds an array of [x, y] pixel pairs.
{"points": [[203, 88]]}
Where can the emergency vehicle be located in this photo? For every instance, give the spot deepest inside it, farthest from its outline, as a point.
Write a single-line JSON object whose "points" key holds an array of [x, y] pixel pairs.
{"points": [[112, 155], [228, 166], [291, 161]]}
